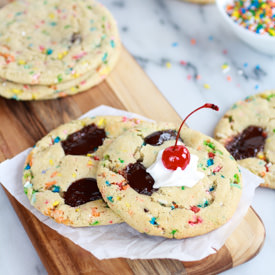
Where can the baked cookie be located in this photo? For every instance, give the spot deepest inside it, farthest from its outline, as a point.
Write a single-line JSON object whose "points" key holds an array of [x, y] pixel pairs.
{"points": [[18, 91], [247, 130], [171, 212], [49, 42], [60, 172]]}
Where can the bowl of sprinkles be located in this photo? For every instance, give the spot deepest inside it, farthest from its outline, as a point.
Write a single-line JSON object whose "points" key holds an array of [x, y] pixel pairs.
{"points": [[252, 20]]}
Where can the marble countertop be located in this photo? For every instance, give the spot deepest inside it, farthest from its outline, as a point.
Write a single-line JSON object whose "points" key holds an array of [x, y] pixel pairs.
{"points": [[192, 58]]}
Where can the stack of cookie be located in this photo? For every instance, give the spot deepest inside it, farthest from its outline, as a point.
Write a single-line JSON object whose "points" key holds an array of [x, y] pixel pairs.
{"points": [[96, 171], [50, 49]]}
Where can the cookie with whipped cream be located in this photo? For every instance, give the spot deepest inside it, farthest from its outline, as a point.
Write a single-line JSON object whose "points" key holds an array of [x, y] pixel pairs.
{"points": [[60, 171], [247, 130], [127, 179]]}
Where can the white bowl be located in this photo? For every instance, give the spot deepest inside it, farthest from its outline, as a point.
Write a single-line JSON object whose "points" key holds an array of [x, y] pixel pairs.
{"points": [[263, 43]]}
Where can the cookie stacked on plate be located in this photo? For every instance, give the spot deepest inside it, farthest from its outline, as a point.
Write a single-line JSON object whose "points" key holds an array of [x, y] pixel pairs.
{"points": [[63, 171], [50, 49]]}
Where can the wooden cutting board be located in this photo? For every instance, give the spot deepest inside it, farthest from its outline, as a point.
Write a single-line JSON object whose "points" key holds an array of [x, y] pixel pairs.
{"points": [[24, 123]]}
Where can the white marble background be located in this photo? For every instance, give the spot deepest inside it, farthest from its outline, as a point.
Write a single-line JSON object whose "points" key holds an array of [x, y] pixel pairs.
{"points": [[182, 47]]}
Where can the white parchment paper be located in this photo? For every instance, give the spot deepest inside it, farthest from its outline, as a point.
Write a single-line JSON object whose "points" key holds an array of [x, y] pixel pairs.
{"points": [[120, 240]]}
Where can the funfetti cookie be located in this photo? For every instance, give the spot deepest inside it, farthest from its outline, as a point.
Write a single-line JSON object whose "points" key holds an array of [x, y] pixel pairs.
{"points": [[49, 42], [60, 172], [247, 130], [129, 175], [18, 91]]}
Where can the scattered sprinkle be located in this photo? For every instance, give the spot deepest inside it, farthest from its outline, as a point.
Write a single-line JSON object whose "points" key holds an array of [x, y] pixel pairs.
{"points": [[56, 203], [204, 204], [197, 220], [56, 140], [107, 183], [49, 184], [54, 174], [174, 231], [153, 221], [168, 65], [209, 162], [262, 174], [55, 189], [49, 51], [225, 68], [110, 198], [175, 44], [59, 78], [209, 144], [195, 209], [112, 43], [104, 58], [217, 169], [236, 178], [211, 155], [27, 167], [182, 62]]}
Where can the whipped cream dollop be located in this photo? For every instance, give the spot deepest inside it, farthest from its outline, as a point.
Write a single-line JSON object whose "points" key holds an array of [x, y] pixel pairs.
{"points": [[165, 177]]}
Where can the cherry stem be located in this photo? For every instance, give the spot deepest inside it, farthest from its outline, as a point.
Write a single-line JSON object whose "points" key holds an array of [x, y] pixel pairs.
{"points": [[206, 105]]}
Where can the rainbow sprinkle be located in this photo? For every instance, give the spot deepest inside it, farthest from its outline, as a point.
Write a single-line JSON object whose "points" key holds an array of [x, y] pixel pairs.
{"points": [[153, 221], [255, 15]]}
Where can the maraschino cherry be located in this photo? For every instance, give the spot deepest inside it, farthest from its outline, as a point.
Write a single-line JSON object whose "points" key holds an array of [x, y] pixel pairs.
{"points": [[178, 155]]}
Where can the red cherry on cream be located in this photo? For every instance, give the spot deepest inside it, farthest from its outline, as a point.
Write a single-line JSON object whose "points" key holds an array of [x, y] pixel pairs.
{"points": [[178, 155], [174, 157]]}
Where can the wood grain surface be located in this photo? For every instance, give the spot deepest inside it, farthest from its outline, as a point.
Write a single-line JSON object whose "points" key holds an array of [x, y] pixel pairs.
{"points": [[24, 123]]}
